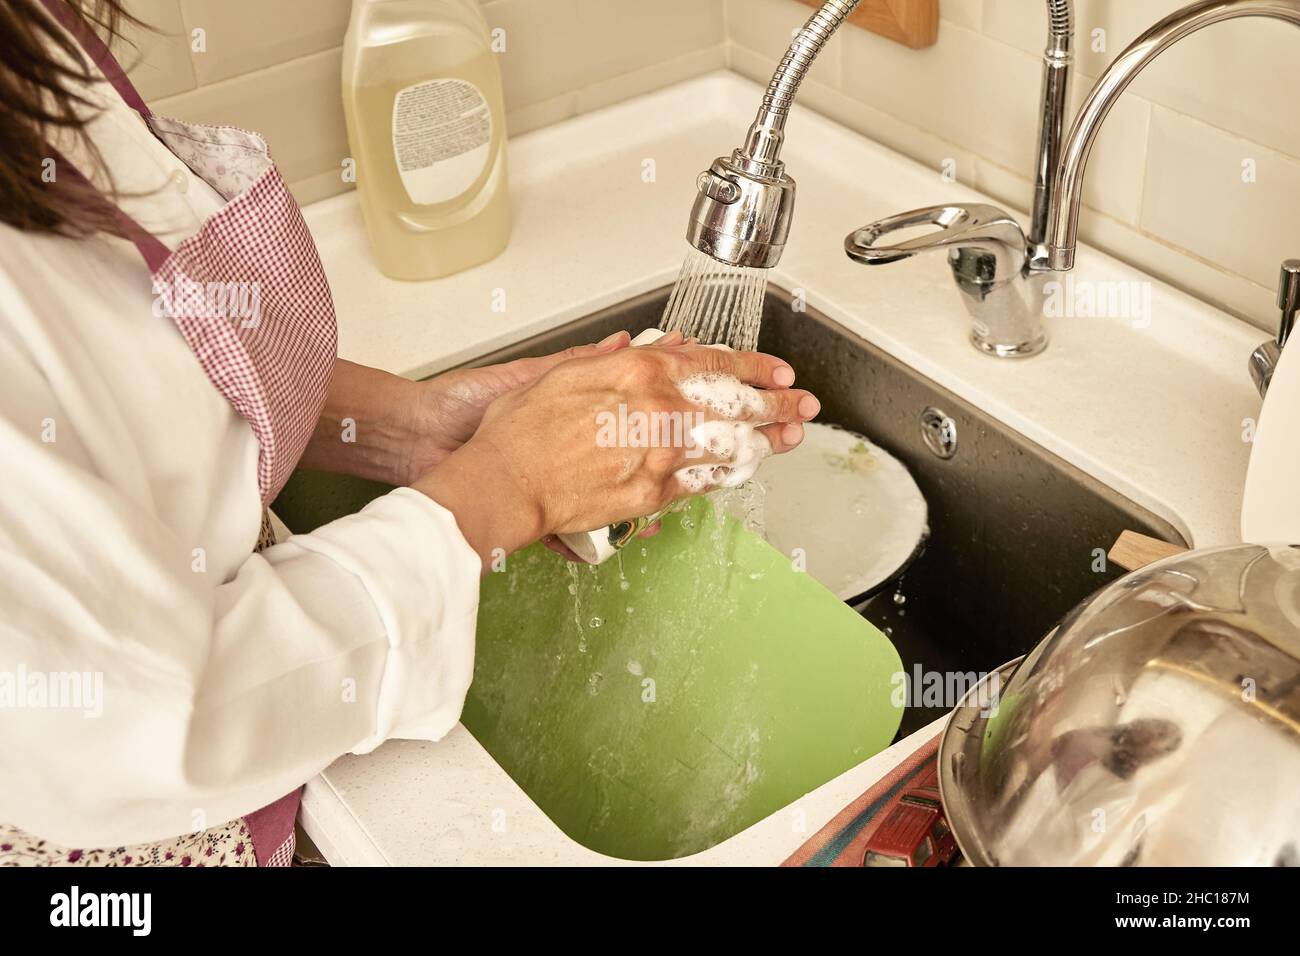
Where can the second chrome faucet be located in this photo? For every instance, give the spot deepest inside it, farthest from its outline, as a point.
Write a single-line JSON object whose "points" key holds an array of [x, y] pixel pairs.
{"points": [[993, 261], [1006, 305]]}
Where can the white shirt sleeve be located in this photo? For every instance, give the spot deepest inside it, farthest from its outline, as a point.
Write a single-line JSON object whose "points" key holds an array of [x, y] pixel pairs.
{"points": [[156, 700], [155, 676]]}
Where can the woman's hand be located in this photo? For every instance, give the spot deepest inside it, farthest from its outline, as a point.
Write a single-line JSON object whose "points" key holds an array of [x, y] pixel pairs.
{"points": [[386, 428], [448, 409], [539, 463]]}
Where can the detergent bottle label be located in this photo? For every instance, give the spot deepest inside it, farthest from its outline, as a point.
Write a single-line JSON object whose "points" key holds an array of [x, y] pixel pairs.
{"points": [[442, 139]]}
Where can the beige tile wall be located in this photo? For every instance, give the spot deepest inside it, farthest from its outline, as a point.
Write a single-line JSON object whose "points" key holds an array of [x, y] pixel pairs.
{"points": [[1165, 189], [273, 65]]}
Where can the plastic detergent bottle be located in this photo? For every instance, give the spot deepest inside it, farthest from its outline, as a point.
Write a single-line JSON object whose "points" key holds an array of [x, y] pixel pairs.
{"points": [[426, 125]]}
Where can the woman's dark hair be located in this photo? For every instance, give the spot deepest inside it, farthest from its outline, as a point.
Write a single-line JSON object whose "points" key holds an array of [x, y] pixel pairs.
{"points": [[42, 69]]}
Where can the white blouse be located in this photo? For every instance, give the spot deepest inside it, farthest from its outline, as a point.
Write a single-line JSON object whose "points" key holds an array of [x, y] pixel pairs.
{"points": [[156, 678]]}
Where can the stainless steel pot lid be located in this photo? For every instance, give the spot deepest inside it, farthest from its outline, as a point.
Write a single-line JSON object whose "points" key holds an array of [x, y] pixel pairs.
{"points": [[848, 508], [1158, 725]]}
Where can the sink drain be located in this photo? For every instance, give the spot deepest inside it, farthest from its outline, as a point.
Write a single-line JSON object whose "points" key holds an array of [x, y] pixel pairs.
{"points": [[939, 432]]}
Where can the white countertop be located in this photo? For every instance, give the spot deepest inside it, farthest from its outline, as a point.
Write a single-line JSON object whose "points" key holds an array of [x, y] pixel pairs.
{"points": [[1155, 412]]}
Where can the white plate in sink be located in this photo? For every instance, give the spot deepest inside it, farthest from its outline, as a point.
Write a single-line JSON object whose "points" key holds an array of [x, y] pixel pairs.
{"points": [[850, 509]]}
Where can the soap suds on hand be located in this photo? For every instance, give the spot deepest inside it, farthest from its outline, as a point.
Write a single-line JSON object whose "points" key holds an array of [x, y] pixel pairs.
{"points": [[724, 395], [741, 446], [738, 444]]}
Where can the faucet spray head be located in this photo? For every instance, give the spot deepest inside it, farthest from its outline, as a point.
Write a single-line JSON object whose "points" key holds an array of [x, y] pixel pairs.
{"points": [[742, 212], [741, 216]]}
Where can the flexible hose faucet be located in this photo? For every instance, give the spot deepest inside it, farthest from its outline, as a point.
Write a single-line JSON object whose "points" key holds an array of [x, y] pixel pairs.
{"points": [[741, 216], [742, 213], [763, 144]]}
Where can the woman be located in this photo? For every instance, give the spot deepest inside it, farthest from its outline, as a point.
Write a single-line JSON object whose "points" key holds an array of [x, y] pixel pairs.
{"points": [[169, 687]]}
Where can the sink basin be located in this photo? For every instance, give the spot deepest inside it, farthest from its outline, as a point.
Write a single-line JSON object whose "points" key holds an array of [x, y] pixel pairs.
{"points": [[1015, 537]]}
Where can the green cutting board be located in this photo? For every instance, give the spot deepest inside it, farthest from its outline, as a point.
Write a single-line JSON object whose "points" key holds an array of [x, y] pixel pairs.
{"points": [[664, 701], [687, 688]]}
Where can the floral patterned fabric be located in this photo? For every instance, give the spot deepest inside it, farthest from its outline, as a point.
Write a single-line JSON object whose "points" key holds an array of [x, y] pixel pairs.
{"points": [[228, 845], [228, 159]]}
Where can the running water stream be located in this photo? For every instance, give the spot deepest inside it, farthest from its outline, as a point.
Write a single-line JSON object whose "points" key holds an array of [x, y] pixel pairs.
{"points": [[717, 303], [720, 304]]}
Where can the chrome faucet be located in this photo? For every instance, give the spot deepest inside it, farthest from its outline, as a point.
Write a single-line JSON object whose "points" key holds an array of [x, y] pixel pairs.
{"points": [[1007, 305], [1063, 225], [1263, 361], [742, 211], [993, 262], [988, 254]]}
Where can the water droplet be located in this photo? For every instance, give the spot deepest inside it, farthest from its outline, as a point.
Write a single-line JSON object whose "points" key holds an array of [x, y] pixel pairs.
{"points": [[595, 622], [630, 609], [624, 585], [900, 598], [593, 683]]}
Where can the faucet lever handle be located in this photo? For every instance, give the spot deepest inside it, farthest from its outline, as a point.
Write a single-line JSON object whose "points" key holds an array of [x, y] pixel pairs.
{"points": [[987, 251], [977, 226]]}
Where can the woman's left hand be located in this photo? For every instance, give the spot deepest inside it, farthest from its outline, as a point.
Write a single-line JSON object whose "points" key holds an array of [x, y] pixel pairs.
{"points": [[389, 429], [451, 406]]}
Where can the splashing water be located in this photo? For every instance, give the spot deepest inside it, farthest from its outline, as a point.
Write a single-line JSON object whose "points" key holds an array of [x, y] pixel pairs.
{"points": [[717, 303]]}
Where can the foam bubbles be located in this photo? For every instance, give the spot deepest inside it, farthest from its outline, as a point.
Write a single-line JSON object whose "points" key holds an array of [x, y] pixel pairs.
{"points": [[737, 447], [724, 395], [742, 448]]}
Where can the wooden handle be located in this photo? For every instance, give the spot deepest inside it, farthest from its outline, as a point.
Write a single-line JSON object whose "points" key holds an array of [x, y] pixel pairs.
{"points": [[914, 23], [1132, 550]]}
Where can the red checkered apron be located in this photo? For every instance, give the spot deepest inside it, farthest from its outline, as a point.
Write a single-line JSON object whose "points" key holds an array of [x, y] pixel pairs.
{"points": [[272, 357]]}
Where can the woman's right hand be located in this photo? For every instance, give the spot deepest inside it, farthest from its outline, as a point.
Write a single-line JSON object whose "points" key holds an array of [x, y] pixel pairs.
{"points": [[541, 464]]}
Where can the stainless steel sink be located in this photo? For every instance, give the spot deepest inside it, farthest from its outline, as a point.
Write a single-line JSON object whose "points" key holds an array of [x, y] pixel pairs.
{"points": [[1015, 531]]}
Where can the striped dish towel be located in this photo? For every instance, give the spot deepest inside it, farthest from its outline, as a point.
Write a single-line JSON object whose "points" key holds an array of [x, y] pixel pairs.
{"points": [[843, 841]]}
